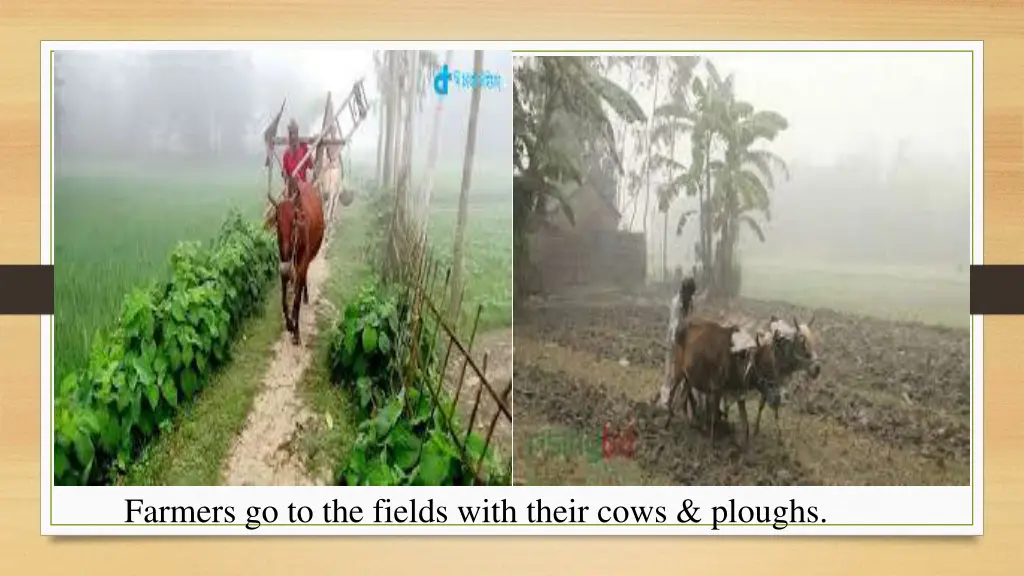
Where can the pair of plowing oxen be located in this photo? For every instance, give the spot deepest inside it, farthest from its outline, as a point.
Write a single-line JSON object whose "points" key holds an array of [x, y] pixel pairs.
{"points": [[724, 363]]}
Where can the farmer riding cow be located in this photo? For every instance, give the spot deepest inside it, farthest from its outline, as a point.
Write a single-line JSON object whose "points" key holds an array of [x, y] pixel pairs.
{"points": [[297, 152], [300, 228]]}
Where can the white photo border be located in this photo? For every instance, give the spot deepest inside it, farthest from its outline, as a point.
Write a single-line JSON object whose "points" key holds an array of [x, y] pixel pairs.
{"points": [[101, 510]]}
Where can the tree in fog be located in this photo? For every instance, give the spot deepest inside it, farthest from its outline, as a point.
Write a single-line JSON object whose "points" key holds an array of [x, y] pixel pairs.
{"points": [[732, 178], [653, 69], [467, 177], [381, 63], [59, 128], [422, 63], [402, 78], [427, 187], [558, 105], [672, 122]]}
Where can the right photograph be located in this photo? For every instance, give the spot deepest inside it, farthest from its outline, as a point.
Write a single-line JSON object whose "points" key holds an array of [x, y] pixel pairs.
{"points": [[743, 268]]}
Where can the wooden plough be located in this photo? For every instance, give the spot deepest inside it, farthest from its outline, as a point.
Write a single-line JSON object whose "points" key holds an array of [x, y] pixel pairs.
{"points": [[326, 146]]}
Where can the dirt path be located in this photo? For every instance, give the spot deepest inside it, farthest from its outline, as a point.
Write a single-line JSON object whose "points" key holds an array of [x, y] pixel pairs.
{"points": [[262, 455]]}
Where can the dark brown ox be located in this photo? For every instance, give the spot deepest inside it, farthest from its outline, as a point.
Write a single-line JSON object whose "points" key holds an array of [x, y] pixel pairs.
{"points": [[702, 360], [778, 356], [765, 375], [758, 370], [299, 220]]}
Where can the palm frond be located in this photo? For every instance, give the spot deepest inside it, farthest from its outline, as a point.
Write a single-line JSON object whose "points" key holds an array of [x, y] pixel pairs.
{"points": [[663, 162], [683, 219], [766, 162], [753, 225], [620, 101], [713, 75], [673, 109], [664, 132], [750, 190]]}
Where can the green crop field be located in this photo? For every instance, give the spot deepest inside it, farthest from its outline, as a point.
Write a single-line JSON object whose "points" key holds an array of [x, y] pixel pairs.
{"points": [[922, 294], [115, 231], [488, 250]]}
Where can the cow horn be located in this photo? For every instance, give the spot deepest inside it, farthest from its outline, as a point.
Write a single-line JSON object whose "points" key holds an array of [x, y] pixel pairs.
{"points": [[796, 324], [272, 201], [811, 321]]}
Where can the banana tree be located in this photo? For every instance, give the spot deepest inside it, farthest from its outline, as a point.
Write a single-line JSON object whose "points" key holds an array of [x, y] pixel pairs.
{"points": [[732, 188], [698, 114], [628, 185], [743, 180]]}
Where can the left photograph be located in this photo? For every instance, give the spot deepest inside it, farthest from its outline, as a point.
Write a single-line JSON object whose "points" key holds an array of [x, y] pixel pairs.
{"points": [[281, 267]]}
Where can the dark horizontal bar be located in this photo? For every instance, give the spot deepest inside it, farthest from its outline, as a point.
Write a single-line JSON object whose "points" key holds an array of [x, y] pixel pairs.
{"points": [[26, 290], [997, 289], [281, 141]]}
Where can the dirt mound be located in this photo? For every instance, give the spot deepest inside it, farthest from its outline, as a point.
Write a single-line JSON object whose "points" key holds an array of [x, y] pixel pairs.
{"points": [[898, 384]]}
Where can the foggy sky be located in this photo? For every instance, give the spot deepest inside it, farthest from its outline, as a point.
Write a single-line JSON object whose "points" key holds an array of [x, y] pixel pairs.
{"points": [[336, 70], [109, 96], [879, 151]]}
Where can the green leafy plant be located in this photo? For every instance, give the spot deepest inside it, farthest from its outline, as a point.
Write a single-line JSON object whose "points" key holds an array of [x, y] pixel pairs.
{"points": [[405, 442], [381, 207], [362, 345], [160, 352], [403, 438]]}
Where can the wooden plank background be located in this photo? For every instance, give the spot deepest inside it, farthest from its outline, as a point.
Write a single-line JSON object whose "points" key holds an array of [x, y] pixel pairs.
{"points": [[1000, 23]]}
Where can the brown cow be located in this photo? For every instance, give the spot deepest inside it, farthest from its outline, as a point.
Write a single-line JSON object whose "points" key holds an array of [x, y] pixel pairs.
{"points": [[299, 220], [702, 356]]}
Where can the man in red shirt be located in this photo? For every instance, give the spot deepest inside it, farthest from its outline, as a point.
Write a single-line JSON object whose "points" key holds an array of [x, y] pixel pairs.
{"points": [[296, 152]]}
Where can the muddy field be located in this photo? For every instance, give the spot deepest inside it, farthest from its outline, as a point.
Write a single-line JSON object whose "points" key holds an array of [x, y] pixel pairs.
{"points": [[891, 407]]}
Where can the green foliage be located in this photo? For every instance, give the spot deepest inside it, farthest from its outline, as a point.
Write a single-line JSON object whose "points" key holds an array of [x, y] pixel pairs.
{"points": [[167, 340], [381, 208], [402, 439], [487, 263], [117, 226], [405, 443], [558, 108], [559, 126], [362, 346]]}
